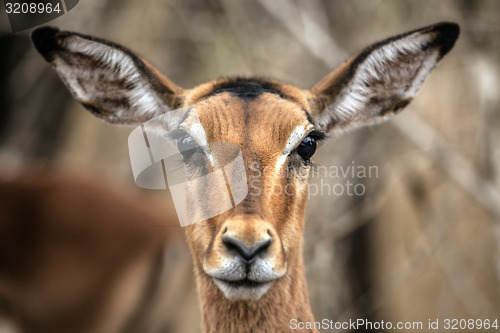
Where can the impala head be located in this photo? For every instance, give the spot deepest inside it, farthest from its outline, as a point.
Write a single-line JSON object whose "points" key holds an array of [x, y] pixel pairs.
{"points": [[277, 127]]}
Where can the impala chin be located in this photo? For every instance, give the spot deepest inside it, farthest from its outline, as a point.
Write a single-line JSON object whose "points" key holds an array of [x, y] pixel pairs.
{"points": [[243, 290], [244, 281]]}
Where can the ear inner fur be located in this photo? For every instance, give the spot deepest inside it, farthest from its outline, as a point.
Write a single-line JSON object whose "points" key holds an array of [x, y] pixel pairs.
{"points": [[343, 98]]}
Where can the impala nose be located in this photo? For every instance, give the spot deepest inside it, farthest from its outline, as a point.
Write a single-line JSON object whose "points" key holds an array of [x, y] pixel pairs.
{"points": [[246, 253]]}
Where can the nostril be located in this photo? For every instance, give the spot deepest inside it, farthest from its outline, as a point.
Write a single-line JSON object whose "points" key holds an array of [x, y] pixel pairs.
{"points": [[245, 252], [260, 247]]}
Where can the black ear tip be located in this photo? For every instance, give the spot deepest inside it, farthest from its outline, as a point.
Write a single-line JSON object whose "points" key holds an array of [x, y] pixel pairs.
{"points": [[446, 35], [44, 39], [449, 28]]}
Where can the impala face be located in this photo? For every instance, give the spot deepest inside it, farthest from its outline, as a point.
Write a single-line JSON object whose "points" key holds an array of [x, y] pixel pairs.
{"points": [[246, 250]]}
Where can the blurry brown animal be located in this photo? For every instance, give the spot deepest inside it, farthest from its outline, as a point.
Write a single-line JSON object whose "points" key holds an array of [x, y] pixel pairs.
{"points": [[76, 255], [248, 261]]}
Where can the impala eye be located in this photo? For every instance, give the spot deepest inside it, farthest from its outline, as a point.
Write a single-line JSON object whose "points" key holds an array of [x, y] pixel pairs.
{"points": [[307, 148], [186, 145]]}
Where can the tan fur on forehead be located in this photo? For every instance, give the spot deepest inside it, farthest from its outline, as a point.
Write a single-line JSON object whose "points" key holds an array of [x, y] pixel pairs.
{"points": [[256, 123]]}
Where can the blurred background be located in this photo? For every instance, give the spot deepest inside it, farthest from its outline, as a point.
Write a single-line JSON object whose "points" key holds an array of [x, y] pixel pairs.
{"points": [[421, 243]]}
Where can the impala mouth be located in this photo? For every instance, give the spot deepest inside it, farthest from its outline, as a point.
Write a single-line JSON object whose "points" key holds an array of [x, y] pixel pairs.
{"points": [[244, 289], [244, 283]]}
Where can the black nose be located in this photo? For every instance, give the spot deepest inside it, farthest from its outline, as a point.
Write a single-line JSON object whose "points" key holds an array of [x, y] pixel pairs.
{"points": [[245, 252]]}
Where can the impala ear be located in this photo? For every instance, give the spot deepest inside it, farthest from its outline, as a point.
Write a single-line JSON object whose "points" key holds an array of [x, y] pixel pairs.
{"points": [[380, 81], [109, 80]]}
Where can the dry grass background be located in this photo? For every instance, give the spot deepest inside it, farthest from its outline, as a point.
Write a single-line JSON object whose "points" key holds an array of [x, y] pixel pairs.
{"points": [[422, 243]]}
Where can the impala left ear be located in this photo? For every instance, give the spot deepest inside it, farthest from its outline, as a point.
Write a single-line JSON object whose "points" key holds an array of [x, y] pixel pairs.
{"points": [[380, 81]]}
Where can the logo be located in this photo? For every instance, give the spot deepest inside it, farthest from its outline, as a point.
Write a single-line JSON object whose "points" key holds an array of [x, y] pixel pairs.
{"points": [[205, 178]]}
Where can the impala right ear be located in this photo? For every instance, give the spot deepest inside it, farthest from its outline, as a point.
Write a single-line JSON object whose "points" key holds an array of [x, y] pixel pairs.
{"points": [[107, 79], [381, 80]]}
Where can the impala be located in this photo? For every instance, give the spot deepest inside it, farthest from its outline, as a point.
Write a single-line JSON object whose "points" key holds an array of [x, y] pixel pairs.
{"points": [[248, 260], [78, 256]]}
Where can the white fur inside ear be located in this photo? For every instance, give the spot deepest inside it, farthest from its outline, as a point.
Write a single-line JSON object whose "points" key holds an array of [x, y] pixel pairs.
{"points": [[393, 71], [114, 75]]}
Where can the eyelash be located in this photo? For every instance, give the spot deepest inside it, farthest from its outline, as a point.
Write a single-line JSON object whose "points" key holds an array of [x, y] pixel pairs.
{"points": [[318, 136]]}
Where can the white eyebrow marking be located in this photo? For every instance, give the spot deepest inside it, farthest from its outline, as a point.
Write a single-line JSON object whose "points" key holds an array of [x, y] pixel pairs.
{"points": [[197, 132], [295, 138], [192, 125]]}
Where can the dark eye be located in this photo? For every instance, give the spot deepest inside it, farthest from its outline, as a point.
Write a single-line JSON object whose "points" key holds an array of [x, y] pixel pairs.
{"points": [[186, 145], [307, 148]]}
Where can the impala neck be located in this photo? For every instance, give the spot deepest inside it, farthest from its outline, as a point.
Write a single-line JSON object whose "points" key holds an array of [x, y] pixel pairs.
{"points": [[287, 299]]}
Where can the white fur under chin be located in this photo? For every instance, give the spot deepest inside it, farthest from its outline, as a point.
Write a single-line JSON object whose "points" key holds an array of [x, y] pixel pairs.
{"points": [[243, 293]]}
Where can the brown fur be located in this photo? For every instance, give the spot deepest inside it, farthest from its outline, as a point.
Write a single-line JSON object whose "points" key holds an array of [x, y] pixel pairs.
{"points": [[68, 247], [260, 122]]}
